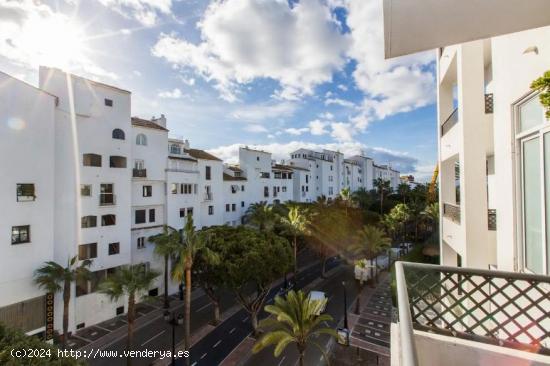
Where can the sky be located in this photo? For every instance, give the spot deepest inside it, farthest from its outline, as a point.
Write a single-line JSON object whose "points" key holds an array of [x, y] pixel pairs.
{"points": [[276, 75]]}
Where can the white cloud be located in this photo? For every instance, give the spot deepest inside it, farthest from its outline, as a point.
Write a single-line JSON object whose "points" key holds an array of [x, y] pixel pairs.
{"points": [[342, 132], [172, 94], [32, 34], [342, 87], [326, 115], [147, 12], [296, 131], [264, 111], [340, 102], [242, 40], [281, 151], [255, 128], [318, 127]]}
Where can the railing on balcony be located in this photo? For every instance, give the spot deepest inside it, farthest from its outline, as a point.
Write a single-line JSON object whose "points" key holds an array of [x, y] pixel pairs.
{"points": [[208, 196], [107, 199], [449, 122], [492, 219], [507, 309], [140, 173], [452, 212], [489, 103]]}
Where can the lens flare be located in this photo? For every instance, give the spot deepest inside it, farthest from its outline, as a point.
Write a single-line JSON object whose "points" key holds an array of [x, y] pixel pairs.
{"points": [[16, 124]]}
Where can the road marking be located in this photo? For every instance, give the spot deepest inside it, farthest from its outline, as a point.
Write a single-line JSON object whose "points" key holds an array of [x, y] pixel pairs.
{"points": [[281, 362], [204, 307], [232, 330], [203, 356], [150, 339], [217, 343], [194, 363], [245, 319]]}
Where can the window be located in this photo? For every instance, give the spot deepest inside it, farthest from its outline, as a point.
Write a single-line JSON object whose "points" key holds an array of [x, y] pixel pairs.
{"points": [[182, 212], [141, 139], [233, 207], [106, 194], [284, 188], [242, 188], [208, 173], [87, 251], [227, 207], [457, 183], [266, 191], [531, 114], [242, 203], [108, 220], [141, 242], [81, 287], [108, 102], [211, 210], [88, 221], [114, 248], [234, 189], [175, 149], [86, 190], [174, 188], [118, 134], [257, 158], [140, 217], [147, 191], [152, 215], [20, 234], [264, 175], [307, 178], [91, 160], [186, 188], [117, 162], [190, 211], [25, 192]]}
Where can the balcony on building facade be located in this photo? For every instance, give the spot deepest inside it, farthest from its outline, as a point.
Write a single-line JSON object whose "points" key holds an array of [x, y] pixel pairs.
{"points": [[208, 196], [489, 103], [449, 122], [492, 219], [139, 173], [480, 316], [107, 199], [452, 212]]}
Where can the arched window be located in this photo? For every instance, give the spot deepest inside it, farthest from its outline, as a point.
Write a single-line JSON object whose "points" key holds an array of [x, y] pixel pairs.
{"points": [[118, 134], [141, 139]]}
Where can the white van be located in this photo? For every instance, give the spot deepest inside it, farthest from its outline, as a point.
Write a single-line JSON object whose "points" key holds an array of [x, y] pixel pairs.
{"points": [[318, 296]]}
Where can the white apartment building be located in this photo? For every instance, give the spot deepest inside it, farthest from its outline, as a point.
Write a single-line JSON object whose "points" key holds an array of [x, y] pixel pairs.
{"points": [[494, 179], [326, 169], [365, 172], [235, 192], [282, 186], [301, 184], [353, 177], [387, 173]]}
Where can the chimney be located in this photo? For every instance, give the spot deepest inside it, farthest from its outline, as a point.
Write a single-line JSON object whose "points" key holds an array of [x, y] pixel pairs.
{"points": [[186, 144], [161, 121]]}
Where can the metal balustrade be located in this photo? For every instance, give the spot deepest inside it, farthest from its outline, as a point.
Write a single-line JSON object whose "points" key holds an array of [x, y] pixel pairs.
{"points": [[508, 309], [452, 212], [489, 103], [449, 122], [139, 173], [492, 219]]}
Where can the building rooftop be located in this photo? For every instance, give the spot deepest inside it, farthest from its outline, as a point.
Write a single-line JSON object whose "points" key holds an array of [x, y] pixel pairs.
{"points": [[98, 83], [201, 154], [287, 168], [140, 122], [228, 177], [181, 158]]}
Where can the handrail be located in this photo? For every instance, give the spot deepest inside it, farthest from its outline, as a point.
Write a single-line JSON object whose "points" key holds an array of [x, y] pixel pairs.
{"points": [[408, 349], [449, 122]]}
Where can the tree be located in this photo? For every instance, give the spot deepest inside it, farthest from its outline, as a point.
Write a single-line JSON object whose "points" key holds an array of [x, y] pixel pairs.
{"points": [[261, 216], [250, 257], [53, 278], [542, 85], [130, 281], [166, 247], [400, 214], [431, 213], [362, 198], [404, 190], [296, 321], [371, 241], [346, 197], [296, 223], [383, 187], [16, 340], [190, 245]]}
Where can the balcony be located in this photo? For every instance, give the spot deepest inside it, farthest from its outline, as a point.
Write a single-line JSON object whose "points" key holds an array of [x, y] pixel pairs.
{"points": [[449, 122], [452, 212], [492, 219], [107, 199], [489, 103], [139, 173], [478, 316], [208, 196]]}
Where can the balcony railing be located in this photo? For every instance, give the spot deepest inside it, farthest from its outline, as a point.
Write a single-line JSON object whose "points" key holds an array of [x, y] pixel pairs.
{"points": [[506, 309], [140, 173], [208, 196], [107, 199], [488, 103], [452, 212], [449, 122], [492, 219]]}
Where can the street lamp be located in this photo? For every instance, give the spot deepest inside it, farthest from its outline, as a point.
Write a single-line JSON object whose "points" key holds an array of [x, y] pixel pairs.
{"points": [[174, 321], [343, 333], [345, 306]]}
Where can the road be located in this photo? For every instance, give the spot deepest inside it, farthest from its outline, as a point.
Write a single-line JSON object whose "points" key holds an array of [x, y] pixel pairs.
{"points": [[335, 307], [218, 344]]}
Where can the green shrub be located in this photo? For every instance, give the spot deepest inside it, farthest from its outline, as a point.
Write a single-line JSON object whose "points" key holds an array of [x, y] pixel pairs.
{"points": [[12, 339]]}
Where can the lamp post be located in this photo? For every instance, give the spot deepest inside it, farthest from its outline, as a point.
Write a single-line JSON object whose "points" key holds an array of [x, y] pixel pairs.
{"points": [[174, 321], [345, 306]]}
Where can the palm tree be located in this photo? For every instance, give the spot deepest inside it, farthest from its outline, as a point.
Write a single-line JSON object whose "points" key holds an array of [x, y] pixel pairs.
{"points": [[383, 187], [431, 212], [166, 246], [371, 241], [53, 278], [130, 281], [261, 216], [296, 321], [190, 245], [346, 197], [404, 189], [296, 223]]}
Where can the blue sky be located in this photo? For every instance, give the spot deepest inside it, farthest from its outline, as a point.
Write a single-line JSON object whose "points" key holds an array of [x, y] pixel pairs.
{"points": [[275, 74]]}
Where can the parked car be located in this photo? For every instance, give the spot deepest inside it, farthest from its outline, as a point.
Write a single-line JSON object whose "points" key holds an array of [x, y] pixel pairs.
{"points": [[318, 296]]}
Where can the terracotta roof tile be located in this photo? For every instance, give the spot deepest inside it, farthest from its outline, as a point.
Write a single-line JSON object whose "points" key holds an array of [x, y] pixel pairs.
{"points": [[201, 154], [147, 124]]}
